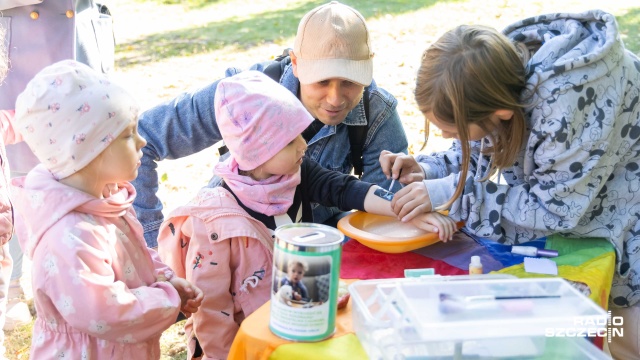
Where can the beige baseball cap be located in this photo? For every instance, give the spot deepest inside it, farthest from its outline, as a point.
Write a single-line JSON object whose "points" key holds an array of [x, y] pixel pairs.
{"points": [[333, 42]]}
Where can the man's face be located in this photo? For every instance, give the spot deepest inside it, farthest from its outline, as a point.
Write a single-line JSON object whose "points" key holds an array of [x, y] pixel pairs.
{"points": [[329, 100]]}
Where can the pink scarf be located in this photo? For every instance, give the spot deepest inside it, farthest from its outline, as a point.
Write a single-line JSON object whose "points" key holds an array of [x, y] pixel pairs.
{"points": [[115, 205], [272, 196]]}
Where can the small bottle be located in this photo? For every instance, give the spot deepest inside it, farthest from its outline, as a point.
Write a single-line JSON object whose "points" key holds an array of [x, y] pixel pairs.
{"points": [[475, 267]]}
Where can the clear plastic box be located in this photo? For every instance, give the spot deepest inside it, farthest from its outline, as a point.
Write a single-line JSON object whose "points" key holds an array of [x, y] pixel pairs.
{"points": [[478, 317]]}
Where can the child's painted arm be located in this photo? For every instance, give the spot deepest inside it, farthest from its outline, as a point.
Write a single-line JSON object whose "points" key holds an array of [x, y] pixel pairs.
{"points": [[83, 287], [9, 134], [377, 205]]}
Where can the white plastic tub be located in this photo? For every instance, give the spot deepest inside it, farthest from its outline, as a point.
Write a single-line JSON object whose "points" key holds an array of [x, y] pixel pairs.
{"points": [[404, 319]]}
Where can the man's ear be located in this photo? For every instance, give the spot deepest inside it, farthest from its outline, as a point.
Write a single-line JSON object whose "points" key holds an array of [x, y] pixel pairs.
{"points": [[504, 114], [294, 63]]}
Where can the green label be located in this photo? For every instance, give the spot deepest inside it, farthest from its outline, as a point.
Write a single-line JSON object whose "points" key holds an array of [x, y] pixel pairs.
{"points": [[304, 294]]}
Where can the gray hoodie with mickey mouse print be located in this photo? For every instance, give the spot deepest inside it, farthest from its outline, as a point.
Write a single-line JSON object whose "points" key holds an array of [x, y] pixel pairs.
{"points": [[578, 174]]}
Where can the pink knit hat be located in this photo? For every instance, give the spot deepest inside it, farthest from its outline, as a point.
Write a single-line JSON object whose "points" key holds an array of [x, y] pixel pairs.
{"points": [[69, 113], [257, 117]]}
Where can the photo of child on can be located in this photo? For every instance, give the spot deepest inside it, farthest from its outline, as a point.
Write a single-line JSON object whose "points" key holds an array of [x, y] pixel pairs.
{"points": [[295, 272], [306, 267]]}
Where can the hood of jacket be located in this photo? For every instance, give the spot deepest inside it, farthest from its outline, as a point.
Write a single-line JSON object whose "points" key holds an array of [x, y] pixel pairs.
{"points": [[42, 201], [580, 48]]}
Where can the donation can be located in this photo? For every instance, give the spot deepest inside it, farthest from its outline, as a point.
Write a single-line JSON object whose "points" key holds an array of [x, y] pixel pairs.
{"points": [[306, 271]]}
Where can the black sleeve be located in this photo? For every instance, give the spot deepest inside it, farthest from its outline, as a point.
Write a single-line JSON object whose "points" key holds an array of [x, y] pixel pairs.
{"points": [[332, 188]]}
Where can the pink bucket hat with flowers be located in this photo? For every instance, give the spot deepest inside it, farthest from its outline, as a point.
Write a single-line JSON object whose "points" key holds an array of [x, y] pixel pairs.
{"points": [[69, 113], [257, 117]]}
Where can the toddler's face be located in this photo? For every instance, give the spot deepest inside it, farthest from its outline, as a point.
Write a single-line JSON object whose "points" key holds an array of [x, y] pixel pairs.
{"points": [[120, 161], [286, 162], [296, 273]]}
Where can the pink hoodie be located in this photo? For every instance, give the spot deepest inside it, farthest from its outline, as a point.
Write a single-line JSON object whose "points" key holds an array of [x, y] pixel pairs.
{"points": [[100, 293], [213, 243]]}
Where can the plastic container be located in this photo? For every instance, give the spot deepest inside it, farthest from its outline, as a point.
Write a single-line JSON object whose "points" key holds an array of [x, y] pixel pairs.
{"points": [[317, 249], [403, 319], [385, 233], [475, 267]]}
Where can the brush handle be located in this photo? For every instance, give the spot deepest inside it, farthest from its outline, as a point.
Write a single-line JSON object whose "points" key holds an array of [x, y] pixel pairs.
{"points": [[473, 298], [526, 297]]}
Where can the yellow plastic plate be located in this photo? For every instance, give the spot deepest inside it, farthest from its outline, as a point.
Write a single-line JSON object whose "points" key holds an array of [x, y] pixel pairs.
{"points": [[384, 233]]}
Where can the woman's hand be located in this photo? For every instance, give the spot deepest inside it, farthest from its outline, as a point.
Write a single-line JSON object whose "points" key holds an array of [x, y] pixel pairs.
{"points": [[411, 201], [436, 222], [400, 166]]}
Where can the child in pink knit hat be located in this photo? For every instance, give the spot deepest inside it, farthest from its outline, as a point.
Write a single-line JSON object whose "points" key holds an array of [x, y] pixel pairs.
{"points": [[98, 290], [222, 240]]}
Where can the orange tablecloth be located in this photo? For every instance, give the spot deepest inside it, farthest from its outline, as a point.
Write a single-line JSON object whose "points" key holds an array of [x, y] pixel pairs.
{"points": [[255, 341]]}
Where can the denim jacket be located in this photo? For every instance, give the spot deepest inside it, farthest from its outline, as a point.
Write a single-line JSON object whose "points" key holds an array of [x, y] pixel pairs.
{"points": [[187, 125]]}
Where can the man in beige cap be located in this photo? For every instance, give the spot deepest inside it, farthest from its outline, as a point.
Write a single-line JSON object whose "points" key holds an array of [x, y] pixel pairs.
{"points": [[330, 70]]}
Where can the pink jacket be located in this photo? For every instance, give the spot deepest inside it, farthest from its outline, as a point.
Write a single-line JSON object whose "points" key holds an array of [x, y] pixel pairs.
{"points": [[9, 136], [100, 293], [217, 246]]}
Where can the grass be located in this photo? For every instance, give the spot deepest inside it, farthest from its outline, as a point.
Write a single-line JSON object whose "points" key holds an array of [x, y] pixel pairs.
{"points": [[242, 30], [629, 24], [165, 47]]}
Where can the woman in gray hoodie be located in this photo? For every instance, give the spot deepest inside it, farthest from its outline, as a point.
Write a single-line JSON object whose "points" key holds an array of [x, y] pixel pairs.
{"points": [[551, 104]]}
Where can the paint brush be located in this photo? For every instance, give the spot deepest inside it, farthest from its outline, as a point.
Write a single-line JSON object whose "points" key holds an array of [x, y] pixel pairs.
{"points": [[387, 194], [393, 181], [452, 304], [445, 296]]}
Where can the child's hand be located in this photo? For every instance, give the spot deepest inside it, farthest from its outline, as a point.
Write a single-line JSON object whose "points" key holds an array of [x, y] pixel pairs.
{"points": [[411, 201], [436, 222], [395, 164], [296, 296], [190, 295]]}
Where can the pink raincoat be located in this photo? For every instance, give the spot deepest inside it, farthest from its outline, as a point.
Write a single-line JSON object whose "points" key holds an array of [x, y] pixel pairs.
{"points": [[213, 243], [100, 293]]}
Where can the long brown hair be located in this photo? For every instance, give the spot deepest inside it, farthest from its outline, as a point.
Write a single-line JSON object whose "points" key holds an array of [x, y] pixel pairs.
{"points": [[468, 74]]}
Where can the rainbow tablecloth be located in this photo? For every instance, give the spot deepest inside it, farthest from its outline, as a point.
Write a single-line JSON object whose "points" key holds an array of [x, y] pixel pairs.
{"points": [[589, 263]]}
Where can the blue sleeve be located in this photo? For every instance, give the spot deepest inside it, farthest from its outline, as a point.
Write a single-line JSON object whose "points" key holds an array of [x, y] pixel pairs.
{"points": [[174, 129], [386, 132]]}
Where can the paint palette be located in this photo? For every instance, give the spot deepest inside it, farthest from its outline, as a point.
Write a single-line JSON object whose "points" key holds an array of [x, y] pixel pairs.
{"points": [[385, 233]]}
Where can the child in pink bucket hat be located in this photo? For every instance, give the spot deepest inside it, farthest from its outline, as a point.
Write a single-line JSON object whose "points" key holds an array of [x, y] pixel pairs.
{"points": [[222, 241], [98, 290]]}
